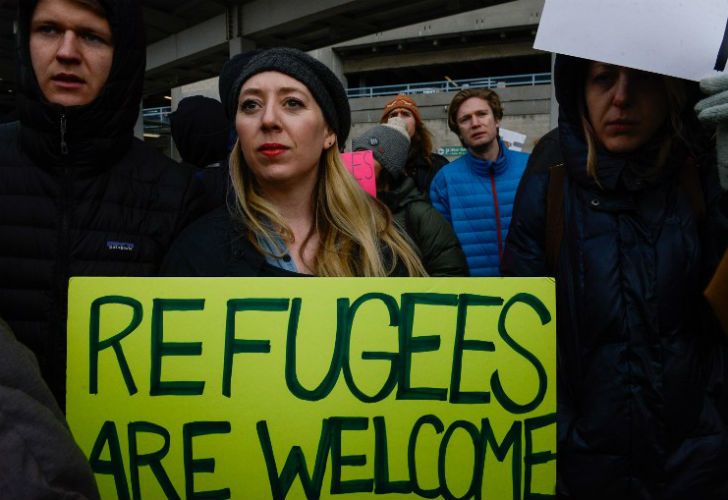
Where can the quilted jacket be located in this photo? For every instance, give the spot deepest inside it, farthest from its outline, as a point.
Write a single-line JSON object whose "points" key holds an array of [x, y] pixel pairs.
{"points": [[642, 365], [476, 197], [79, 195]]}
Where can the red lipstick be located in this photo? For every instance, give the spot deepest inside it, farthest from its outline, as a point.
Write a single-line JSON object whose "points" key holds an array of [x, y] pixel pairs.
{"points": [[271, 149]]}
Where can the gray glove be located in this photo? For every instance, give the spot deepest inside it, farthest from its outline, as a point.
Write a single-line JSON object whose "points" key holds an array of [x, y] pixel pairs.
{"points": [[713, 110], [389, 144]]}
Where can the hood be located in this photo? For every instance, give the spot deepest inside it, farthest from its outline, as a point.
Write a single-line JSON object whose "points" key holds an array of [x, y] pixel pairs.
{"points": [[200, 130], [569, 72], [401, 195], [484, 167], [100, 130]]}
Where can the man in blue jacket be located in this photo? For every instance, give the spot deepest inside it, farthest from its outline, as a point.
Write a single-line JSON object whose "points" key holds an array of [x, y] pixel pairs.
{"points": [[475, 193]]}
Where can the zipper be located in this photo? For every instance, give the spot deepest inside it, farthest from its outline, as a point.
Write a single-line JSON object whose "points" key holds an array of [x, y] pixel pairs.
{"points": [[62, 267], [64, 146], [497, 215]]}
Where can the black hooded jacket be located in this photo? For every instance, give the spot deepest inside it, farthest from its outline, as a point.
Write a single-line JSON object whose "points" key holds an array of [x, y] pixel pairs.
{"points": [[432, 235], [79, 195], [201, 133], [642, 365]]}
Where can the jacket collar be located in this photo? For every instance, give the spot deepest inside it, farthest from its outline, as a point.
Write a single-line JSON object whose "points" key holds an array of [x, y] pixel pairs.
{"points": [[404, 193], [485, 167]]}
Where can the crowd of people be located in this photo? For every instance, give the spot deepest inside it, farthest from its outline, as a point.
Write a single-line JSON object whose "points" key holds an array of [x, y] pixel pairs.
{"points": [[625, 204]]}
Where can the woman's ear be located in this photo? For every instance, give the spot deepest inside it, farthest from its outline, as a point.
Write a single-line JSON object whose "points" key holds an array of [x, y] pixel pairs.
{"points": [[329, 138]]}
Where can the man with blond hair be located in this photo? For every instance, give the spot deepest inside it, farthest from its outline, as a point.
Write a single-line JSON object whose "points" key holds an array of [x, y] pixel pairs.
{"points": [[475, 193], [79, 195]]}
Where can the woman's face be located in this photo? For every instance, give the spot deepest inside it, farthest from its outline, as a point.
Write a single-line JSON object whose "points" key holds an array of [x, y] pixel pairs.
{"points": [[408, 118], [282, 130], [625, 107]]}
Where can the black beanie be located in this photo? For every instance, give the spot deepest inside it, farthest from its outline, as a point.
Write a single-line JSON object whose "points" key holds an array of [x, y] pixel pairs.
{"points": [[228, 75], [323, 84]]}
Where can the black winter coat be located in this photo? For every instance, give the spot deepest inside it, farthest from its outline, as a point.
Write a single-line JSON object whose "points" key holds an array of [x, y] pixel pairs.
{"points": [[642, 368], [419, 170], [38, 456], [216, 245], [79, 196], [434, 237], [201, 131]]}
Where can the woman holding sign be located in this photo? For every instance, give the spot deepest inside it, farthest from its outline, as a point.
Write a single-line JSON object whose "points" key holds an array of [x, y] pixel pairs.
{"points": [[629, 223], [297, 210]]}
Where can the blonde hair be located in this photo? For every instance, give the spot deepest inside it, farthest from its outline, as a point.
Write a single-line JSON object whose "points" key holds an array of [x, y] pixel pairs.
{"points": [[356, 232], [676, 101]]}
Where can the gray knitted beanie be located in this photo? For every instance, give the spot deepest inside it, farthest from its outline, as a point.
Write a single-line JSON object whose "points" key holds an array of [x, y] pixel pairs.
{"points": [[323, 84], [389, 143]]}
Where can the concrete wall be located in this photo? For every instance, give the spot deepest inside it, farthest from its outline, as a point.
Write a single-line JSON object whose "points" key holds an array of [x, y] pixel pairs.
{"points": [[526, 110]]}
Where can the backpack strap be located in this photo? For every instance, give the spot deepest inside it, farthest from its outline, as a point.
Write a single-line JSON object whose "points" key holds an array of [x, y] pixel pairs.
{"points": [[554, 216]]}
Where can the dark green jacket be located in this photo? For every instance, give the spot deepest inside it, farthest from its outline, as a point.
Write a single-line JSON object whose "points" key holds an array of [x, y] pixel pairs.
{"points": [[432, 234]]}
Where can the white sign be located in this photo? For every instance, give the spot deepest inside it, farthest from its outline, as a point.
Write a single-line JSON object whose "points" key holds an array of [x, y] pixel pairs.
{"points": [[681, 38], [514, 140]]}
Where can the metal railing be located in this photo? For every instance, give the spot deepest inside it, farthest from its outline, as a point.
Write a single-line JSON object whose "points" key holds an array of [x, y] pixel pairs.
{"points": [[447, 85], [157, 119]]}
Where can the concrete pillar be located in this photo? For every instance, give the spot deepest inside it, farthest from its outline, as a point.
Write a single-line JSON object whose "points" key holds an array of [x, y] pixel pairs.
{"points": [[139, 125], [239, 45], [554, 120], [332, 60]]}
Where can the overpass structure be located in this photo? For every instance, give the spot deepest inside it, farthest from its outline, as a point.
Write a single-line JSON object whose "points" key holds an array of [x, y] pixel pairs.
{"points": [[477, 44], [190, 40]]}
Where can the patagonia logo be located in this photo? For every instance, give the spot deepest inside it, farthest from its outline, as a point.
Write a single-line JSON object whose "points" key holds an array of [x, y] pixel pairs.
{"points": [[122, 246]]}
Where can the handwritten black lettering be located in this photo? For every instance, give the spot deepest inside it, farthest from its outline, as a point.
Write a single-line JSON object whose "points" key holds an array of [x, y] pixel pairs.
{"points": [[722, 58]]}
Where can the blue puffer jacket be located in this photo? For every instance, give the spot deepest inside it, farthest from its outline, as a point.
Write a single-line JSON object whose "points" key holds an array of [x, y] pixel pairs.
{"points": [[476, 197], [642, 368]]}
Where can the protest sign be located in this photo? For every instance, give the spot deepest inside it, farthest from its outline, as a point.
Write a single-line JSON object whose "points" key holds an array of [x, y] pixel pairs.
{"points": [[300, 388], [672, 37], [513, 140], [361, 166]]}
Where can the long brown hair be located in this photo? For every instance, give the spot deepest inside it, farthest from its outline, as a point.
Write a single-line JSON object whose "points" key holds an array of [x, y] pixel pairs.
{"points": [[420, 147]]}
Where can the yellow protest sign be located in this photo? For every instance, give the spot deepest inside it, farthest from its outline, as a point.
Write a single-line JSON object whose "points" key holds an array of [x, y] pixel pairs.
{"points": [[307, 388]]}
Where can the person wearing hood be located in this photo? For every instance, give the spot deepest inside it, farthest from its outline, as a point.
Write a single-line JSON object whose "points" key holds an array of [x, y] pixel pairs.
{"points": [[630, 224], [430, 232], [475, 193], [200, 132], [79, 195]]}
